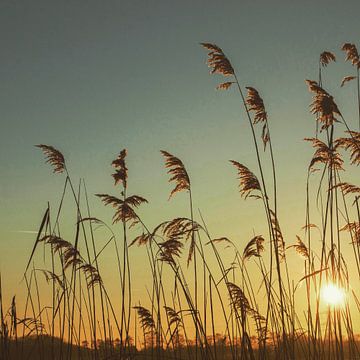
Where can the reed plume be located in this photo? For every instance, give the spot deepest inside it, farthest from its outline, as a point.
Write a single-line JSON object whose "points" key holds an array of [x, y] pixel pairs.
{"points": [[300, 248], [169, 249], [352, 54], [352, 144], [326, 57], [353, 227], [53, 157], [256, 105], [71, 257], [49, 276], [146, 319], [180, 228], [225, 85], [121, 171], [217, 60], [248, 181], [91, 274], [177, 172], [142, 239], [325, 154], [185, 229], [174, 317], [347, 188], [346, 79], [124, 209], [238, 297], [323, 105], [254, 247]]}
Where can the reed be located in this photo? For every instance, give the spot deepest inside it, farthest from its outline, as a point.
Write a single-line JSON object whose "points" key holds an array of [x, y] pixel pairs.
{"points": [[248, 308]]}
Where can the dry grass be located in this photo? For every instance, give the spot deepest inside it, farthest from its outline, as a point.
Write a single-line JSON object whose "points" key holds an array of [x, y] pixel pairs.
{"points": [[216, 309]]}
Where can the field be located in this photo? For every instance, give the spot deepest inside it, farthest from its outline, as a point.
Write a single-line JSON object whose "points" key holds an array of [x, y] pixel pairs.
{"points": [[208, 297]]}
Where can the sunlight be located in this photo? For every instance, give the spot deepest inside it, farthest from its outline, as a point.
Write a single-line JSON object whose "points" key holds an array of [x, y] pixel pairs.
{"points": [[333, 295]]}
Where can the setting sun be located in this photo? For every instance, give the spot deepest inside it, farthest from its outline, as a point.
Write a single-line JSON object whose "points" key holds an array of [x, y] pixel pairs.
{"points": [[333, 294]]}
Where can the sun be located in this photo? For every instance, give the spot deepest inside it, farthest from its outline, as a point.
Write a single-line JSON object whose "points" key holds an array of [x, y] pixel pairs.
{"points": [[333, 295]]}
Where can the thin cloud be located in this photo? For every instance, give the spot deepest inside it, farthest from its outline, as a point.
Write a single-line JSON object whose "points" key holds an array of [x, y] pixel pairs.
{"points": [[24, 231]]}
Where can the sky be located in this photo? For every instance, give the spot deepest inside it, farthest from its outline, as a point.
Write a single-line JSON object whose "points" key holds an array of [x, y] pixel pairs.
{"points": [[93, 77]]}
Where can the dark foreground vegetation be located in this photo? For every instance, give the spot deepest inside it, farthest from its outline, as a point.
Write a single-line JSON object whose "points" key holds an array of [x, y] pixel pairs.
{"points": [[45, 347]]}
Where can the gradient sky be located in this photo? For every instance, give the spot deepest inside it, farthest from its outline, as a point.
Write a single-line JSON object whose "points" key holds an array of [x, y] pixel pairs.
{"points": [[93, 77]]}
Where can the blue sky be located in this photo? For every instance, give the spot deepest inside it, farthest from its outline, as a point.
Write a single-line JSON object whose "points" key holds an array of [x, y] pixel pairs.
{"points": [[93, 77]]}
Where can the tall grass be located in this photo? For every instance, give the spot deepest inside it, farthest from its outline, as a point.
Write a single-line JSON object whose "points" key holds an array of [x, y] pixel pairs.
{"points": [[199, 305]]}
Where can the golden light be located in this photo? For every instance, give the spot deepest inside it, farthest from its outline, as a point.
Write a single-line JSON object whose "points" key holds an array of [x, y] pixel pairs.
{"points": [[333, 295]]}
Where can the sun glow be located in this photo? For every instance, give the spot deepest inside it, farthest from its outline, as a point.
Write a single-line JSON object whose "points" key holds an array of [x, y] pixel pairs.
{"points": [[333, 295]]}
